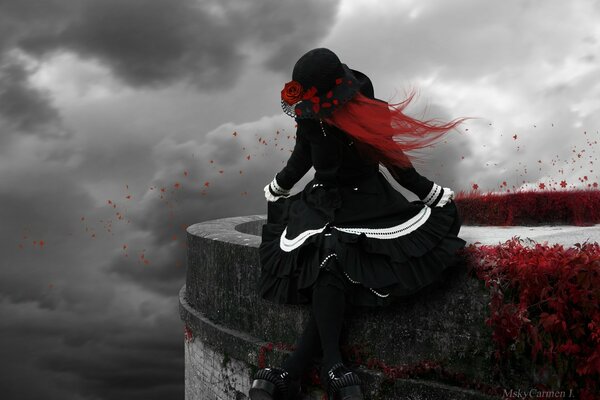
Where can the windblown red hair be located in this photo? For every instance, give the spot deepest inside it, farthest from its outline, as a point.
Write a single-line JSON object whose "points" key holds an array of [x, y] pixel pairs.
{"points": [[385, 132]]}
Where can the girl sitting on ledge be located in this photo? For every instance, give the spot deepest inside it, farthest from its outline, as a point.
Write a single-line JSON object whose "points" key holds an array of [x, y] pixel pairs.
{"points": [[348, 239]]}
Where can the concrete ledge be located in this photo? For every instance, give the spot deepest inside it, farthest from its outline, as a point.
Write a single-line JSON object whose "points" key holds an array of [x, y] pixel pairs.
{"points": [[241, 347], [220, 304]]}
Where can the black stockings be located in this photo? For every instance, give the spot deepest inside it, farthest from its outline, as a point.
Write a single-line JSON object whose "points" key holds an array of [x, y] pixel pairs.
{"points": [[322, 332]]}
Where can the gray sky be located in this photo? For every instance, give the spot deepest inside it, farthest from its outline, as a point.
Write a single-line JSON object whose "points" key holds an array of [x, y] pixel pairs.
{"points": [[121, 123]]}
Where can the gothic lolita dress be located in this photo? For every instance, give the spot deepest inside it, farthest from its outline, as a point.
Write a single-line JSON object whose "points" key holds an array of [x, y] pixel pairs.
{"points": [[351, 222]]}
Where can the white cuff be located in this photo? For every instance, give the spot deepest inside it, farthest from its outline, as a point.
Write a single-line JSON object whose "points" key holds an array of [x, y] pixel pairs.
{"points": [[433, 194], [270, 196], [278, 190]]}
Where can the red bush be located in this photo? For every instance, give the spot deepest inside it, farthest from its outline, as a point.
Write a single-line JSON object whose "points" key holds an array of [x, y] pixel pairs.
{"points": [[545, 307], [573, 207]]}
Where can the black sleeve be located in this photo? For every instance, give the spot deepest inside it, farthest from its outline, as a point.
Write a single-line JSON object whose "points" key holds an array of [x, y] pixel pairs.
{"points": [[429, 192], [298, 164]]}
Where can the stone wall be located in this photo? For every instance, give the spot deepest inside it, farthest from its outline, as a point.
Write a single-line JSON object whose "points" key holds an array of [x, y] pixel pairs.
{"points": [[230, 327]]}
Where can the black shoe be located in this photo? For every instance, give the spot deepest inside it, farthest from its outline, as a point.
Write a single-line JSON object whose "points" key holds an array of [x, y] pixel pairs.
{"points": [[274, 384], [343, 383]]}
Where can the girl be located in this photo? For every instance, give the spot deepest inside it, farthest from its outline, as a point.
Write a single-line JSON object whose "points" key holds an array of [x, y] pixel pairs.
{"points": [[348, 239]]}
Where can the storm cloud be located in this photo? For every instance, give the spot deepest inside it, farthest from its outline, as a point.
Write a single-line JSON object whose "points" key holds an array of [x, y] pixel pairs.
{"points": [[155, 42]]}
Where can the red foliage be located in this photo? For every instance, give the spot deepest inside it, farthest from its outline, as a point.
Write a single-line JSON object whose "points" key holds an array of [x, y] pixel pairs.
{"points": [[262, 351], [544, 307], [572, 207], [425, 369], [188, 334]]}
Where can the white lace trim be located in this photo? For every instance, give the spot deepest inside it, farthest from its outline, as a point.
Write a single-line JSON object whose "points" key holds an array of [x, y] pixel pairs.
{"points": [[327, 259], [379, 294], [433, 194], [278, 189], [392, 232]]}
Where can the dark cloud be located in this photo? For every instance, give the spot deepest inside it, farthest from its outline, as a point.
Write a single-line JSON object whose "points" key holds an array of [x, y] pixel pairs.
{"points": [[140, 365], [24, 108], [292, 29], [65, 324], [149, 42], [87, 356], [156, 42]]}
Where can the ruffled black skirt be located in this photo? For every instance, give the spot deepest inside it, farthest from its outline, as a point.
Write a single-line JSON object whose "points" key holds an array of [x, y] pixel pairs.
{"points": [[376, 243]]}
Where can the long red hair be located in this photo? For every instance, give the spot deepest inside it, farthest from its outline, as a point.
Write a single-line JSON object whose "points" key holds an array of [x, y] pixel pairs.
{"points": [[385, 132]]}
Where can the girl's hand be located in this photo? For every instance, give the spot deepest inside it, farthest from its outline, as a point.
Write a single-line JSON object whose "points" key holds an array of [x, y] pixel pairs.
{"points": [[447, 197]]}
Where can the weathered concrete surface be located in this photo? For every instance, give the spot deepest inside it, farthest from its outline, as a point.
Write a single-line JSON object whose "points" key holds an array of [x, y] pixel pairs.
{"points": [[221, 361]]}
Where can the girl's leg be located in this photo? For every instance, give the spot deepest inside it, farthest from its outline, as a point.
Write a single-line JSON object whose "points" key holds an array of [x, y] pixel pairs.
{"points": [[308, 346], [328, 306], [324, 326]]}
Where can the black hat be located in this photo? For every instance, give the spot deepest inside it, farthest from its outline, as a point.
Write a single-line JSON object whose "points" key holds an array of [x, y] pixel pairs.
{"points": [[320, 85]]}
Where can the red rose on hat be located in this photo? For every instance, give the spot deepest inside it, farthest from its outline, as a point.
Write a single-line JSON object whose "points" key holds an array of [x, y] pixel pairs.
{"points": [[292, 92]]}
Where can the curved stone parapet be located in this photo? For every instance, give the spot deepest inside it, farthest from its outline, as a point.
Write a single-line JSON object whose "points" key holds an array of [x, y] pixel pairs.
{"points": [[229, 327]]}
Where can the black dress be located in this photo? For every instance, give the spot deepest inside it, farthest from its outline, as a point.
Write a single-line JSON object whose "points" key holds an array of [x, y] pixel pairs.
{"points": [[351, 221]]}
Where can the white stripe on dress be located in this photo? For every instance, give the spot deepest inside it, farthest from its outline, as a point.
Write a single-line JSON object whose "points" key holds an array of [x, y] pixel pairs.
{"points": [[392, 232], [288, 245]]}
